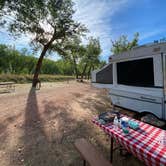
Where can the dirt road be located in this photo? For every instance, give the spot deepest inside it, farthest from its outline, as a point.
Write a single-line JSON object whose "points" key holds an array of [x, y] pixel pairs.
{"points": [[39, 127]]}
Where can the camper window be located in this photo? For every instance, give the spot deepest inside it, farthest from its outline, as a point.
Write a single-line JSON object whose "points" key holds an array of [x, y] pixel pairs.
{"points": [[136, 72], [105, 75]]}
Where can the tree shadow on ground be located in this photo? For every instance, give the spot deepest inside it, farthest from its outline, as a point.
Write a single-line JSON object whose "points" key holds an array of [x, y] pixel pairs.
{"points": [[48, 135], [34, 134], [78, 95], [99, 104], [62, 130], [65, 129], [34, 142]]}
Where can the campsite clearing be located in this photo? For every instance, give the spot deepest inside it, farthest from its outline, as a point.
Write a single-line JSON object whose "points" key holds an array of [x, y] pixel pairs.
{"points": [[40, 127]]}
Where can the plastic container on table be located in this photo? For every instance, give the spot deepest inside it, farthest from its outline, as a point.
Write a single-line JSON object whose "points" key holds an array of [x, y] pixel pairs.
{"points": [[133, 125], [124, 125]]}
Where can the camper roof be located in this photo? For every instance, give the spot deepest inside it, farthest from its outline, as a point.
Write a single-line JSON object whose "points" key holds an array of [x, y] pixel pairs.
{"points": [[140, 51]]}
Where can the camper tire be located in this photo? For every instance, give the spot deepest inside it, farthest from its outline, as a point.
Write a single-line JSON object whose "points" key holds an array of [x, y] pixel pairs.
{"points": [[151, 119]]}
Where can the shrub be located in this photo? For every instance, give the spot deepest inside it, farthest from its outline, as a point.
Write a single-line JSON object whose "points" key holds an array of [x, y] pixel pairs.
{"points": [[25, 78]]}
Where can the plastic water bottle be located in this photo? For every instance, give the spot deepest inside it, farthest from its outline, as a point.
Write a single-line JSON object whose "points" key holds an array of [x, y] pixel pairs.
{"points": [[116, 123]]}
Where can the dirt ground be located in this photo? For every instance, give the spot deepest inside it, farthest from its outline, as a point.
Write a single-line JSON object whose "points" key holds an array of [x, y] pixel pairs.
{"points": [[39, 127]]}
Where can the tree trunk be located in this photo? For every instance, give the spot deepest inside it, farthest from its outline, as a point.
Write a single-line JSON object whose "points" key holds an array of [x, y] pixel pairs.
{"points": [[83, 73], [75, 68], [89, 72], [38, 66]]}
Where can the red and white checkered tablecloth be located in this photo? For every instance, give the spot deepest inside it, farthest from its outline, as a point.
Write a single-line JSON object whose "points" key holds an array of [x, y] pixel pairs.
{"points": [[147, 143]]}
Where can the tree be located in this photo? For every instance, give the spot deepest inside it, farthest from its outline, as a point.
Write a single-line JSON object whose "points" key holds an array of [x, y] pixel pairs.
{"points": [[49, 22], [74, 50], [123, 44], [81, 56], [91, 58]]}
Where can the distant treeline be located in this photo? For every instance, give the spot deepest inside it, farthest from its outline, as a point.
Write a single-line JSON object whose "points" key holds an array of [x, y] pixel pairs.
{"points": [[15, 62]]}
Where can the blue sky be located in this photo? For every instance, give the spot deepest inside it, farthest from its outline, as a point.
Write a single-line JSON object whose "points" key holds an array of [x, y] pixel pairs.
{"points": [[108, 19]]}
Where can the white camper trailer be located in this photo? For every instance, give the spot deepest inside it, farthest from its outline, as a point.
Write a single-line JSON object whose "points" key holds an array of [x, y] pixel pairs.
{"points": [[136, 79]]}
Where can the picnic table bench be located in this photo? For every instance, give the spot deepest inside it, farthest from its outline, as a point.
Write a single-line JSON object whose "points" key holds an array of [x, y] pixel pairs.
{"points": [[90, 154], [8, 86], [148, 143]]}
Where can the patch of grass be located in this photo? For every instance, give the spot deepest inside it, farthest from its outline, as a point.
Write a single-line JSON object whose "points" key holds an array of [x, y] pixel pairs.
{"points": [[25, 78]]}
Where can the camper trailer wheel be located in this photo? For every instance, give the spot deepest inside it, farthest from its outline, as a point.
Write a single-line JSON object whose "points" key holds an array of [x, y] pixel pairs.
{"points": [[152, 119]]}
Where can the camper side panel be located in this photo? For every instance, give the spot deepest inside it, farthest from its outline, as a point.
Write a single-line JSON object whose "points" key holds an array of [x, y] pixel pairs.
{"points": [[138, 105]]}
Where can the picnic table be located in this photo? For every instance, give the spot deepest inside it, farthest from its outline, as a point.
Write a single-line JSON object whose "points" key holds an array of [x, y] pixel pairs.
{"points": [[148, 143], [9, 86]]}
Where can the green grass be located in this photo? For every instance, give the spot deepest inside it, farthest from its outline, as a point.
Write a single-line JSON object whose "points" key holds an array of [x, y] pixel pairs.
{"points": [[24, 78]]}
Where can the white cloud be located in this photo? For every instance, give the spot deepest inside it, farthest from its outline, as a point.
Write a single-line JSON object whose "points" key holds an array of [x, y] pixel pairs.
{"points": [[146, 35], [97, 16]]}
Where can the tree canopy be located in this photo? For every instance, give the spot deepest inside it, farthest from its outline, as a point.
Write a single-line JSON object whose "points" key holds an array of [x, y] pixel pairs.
{"points": [[91, 58], [48, 22], [83, 57], [123, 44]]}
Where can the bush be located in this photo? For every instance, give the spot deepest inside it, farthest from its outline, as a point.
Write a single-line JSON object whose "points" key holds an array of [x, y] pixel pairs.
{"points": [[28, 78]]}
